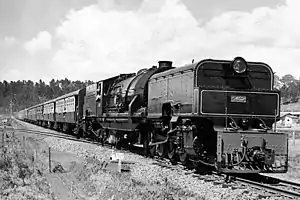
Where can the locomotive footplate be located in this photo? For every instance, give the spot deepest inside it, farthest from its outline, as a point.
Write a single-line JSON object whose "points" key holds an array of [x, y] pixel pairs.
{"points": [[252, 152]]}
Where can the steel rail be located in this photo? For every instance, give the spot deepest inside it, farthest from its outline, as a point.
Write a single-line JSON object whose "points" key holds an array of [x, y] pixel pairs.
{"points": [[270, 188], [57, 135], [289, 183]]}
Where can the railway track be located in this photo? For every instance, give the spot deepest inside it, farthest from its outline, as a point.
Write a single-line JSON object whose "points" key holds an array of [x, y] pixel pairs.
{"points": [[281, 187], [274, 185], [62, 136], [53, 134]]}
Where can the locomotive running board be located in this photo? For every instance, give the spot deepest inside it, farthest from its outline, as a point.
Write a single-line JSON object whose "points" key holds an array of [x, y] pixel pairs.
{"points": [[157, 143], [138, 145], [152, 144], [236, 171]]}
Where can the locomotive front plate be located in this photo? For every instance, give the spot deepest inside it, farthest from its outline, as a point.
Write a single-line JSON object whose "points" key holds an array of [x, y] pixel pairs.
{"points": [[218, 102], [238, 99]]}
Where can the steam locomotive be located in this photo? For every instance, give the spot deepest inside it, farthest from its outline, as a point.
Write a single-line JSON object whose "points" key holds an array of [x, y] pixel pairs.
{"points": [[218, 113]]}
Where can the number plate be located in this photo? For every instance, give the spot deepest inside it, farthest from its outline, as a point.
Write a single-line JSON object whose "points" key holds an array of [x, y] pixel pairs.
{"points": [[238, 99]]}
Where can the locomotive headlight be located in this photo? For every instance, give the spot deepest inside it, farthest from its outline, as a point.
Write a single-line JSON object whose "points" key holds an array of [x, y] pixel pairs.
{"points": [[239, 65]]}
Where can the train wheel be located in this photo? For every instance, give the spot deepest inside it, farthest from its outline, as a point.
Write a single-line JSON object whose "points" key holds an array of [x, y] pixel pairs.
{"points": [[184, 158], [102, 136], [98, 135], [152, 150], [146, 147], [161, 150], [80, 134], [171, 151], [119, 143]]}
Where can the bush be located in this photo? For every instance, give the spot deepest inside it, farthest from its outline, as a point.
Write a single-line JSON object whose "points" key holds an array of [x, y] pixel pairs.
{"points": [[18, 179]]}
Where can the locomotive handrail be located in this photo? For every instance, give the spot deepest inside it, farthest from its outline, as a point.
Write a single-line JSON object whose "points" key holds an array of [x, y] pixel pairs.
{"points": [[160, 142], [130, 109], [258, 129], [234, 126]]}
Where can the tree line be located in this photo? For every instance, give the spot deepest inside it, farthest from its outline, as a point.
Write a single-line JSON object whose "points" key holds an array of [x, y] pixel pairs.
{"points": [[23, 94]]}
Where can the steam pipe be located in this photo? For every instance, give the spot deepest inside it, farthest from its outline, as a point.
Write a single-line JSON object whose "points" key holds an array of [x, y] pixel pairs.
{"points": [[275, 120], [166, 140]]}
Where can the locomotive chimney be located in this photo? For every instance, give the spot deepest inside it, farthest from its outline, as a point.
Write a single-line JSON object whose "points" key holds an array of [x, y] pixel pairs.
{"points": [[163, 64]]}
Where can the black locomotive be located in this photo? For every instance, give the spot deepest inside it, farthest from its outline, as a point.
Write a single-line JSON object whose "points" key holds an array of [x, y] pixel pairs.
{"points": [[214, 112]]}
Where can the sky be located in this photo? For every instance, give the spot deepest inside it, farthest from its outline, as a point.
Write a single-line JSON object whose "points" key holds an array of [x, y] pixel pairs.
{"points": [[97, 39]]}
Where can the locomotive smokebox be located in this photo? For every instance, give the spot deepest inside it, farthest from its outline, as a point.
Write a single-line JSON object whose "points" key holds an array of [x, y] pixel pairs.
{"points": [[164, 64]]}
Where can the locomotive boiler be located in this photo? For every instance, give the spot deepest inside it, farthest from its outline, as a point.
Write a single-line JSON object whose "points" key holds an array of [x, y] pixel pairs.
{"points": [[115, 108]]}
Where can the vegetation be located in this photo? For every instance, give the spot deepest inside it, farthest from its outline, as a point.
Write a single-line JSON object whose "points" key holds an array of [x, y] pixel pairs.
{"points": [[19, 177], [27, 93], [289, 87]]}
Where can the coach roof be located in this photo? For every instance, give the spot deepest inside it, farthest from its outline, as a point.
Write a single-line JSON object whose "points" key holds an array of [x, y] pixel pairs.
{"points": [[67, 95], [58, 98]]}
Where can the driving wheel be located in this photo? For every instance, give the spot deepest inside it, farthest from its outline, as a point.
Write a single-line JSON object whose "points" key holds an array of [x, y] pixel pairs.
{"points": [[183, 157], [171, 151], [161, 150]]}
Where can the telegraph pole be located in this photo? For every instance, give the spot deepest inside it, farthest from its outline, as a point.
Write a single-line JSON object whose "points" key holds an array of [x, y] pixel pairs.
{"points": [[11, 107], [12, 102]]}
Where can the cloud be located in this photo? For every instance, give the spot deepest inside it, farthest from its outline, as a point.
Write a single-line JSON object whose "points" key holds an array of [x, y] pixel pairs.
{"points": [[94, 40], [12, 74], [43, 41], [10, 40], [268, 35], [274, 26], [100, 41]]}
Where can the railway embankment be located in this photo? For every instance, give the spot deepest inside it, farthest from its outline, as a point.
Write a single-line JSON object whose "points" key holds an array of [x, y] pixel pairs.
{"points": [[81, 170], [21, 176]]}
